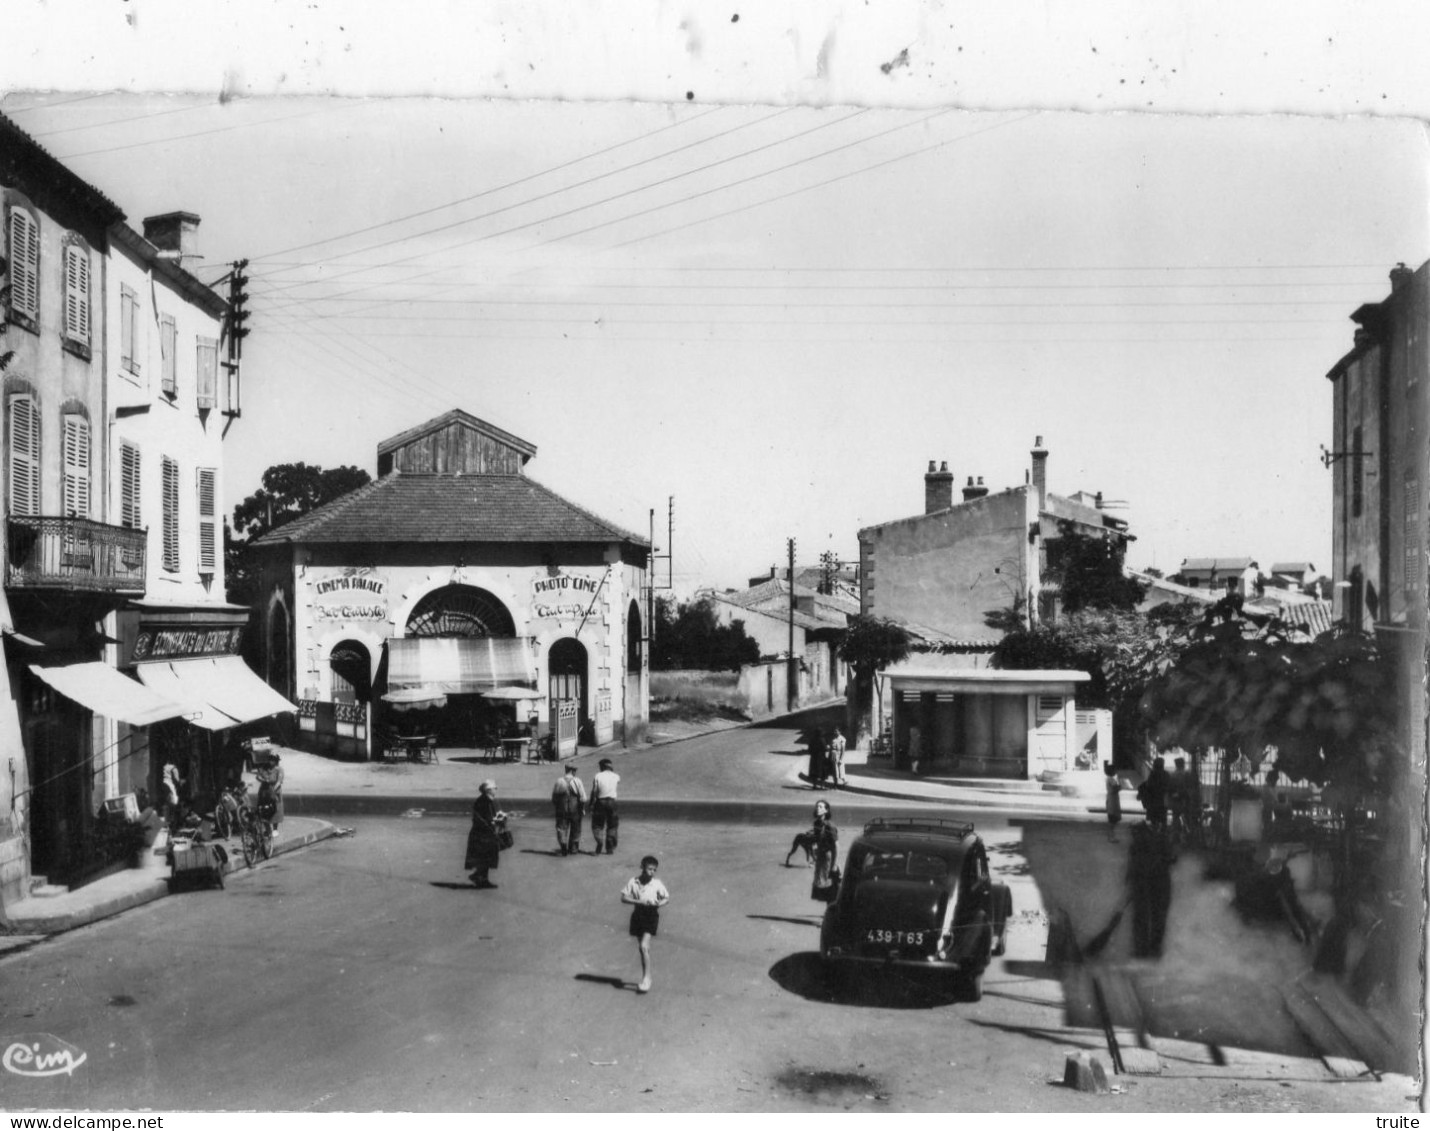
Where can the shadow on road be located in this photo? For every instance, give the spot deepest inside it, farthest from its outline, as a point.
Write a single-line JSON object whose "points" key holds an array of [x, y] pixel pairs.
{"points": [[606, 980], [786, 919], [467, 886], [1052, 1036], [807, 975]]}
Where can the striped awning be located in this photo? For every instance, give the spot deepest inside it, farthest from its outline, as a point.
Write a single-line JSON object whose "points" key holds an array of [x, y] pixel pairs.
{"points": [[221, 690], [458, 665], [107, 692]]}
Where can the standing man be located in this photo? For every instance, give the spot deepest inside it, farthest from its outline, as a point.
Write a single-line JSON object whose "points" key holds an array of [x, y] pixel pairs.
{"points": [[568, 799], [604, 820], [836, 756]]}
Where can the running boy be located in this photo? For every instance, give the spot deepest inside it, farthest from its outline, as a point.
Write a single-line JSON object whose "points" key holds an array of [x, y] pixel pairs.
{"points": [[649, 896]]}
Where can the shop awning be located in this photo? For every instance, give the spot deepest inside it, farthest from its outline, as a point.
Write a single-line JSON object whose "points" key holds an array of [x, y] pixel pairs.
{"points": [[225, 691], [107, 692], [458, 665]]}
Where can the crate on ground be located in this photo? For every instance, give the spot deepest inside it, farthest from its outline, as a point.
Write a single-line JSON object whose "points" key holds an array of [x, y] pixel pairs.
{"points": [[197, 864]]}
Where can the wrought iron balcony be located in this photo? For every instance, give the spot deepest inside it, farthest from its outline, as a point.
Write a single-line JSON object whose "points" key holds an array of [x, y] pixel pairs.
{"points": [[45, 552]]}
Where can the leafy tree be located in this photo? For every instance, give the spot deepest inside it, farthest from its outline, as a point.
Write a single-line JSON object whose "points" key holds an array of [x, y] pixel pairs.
{"points": [[1242, 683], [288, 491], [689, 636], [1090, 569], [1120, 650], [870, 644]]}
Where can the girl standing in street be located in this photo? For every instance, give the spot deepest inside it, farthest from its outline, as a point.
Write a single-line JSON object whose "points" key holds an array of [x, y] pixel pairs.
{"points": [[648, 895], [826, 856]]}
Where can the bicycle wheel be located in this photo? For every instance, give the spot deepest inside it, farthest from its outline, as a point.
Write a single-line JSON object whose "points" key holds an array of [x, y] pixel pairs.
{"points": [[221, 821], [265, 837], [250, 843]]}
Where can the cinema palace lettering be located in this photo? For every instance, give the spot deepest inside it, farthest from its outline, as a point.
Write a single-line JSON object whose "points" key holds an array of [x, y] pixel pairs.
{"points": [[354, 594]]}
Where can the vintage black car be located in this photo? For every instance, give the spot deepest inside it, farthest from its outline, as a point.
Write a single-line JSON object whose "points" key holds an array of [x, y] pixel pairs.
{"points": [[916, 893]]}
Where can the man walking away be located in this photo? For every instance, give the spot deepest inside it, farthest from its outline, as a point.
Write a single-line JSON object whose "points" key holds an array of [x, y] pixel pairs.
{"points": [[568, 799], [604, 820]]}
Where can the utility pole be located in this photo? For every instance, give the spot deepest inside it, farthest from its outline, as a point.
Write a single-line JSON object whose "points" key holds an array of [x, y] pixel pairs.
{"points": [[793, 679], [668, 557], [235, 332]]}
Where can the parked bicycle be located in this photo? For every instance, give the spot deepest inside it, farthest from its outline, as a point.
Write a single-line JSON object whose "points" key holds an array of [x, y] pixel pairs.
{"points": [[228, 808], [255, 833]]}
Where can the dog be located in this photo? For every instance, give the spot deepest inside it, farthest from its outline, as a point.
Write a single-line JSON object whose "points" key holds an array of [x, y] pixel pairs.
{"points": [[806, 841]]}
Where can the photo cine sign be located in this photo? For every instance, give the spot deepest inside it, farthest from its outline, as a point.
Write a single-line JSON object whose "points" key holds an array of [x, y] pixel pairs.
{"points": [[564, 596]]}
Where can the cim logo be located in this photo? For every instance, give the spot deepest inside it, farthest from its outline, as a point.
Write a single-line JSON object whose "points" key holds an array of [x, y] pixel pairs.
{"points": [[41, 1055]]}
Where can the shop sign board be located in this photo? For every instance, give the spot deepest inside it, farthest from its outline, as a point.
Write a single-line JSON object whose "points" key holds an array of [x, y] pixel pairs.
{"points": [[354, 593], [159, 643], [564, 596]]}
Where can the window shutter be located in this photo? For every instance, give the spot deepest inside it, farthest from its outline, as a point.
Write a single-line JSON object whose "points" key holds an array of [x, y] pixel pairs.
{"points": [[130, 513], [168, 347], [207, 529], [77, 293], [171, 515], [23, 439], [208, 372], [24, 263], [76, 456], [127, 319]]}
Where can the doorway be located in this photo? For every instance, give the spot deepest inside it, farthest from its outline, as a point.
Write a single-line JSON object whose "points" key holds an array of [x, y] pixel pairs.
{"points": [[566, 666]]}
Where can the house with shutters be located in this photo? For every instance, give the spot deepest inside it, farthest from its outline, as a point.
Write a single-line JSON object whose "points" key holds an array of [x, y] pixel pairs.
{"points": [[114, 417]]}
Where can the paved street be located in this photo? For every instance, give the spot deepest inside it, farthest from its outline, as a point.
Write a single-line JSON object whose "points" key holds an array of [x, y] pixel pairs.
{"points": [[364, 974]]}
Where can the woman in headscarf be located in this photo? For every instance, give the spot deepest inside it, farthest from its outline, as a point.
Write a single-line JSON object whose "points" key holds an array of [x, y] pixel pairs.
{"points": [[483, 849]]}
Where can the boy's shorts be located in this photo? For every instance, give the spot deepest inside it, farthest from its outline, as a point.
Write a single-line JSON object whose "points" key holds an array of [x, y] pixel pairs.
{"points": [[644, 920]]}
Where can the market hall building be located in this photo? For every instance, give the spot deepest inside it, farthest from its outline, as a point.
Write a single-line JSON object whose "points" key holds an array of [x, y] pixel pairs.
{"points": [[450, 576]]}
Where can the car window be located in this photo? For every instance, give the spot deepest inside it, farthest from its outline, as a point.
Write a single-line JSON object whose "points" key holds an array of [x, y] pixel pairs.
{"points": [[874, 863]]}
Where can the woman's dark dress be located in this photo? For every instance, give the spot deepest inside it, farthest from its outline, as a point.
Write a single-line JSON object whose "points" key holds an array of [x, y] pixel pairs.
{"points": [[826, 855], [483, 852]]}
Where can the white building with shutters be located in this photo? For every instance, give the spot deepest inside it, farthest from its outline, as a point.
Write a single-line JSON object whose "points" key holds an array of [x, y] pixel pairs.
{"points": [[115, 407]]}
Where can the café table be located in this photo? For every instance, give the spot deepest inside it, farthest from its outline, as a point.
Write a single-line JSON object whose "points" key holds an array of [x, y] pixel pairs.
{"points": [[514, 749]]}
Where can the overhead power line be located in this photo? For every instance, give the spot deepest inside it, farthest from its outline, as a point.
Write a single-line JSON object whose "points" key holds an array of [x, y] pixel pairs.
{"points": [[269, 258]]}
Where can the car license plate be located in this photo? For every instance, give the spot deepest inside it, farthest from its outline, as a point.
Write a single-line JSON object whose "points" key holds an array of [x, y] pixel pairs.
{"points": [[888, 937]]}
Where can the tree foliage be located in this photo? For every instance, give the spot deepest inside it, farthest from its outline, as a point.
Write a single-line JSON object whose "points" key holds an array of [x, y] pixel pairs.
{"points": [[1090, 570], [872, 643], [689, 636], [1242, 683], [1120, 650], [288, 491]]}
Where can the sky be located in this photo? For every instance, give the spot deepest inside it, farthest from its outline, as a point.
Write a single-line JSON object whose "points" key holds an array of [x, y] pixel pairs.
{"points": [[777, 315]]}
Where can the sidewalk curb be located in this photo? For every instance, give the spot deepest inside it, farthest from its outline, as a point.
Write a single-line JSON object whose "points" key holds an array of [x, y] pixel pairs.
{"points": [[37, 929]]}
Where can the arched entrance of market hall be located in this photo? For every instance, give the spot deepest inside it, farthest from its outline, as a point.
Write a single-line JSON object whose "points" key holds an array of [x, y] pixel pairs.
{"points": [[459, 641], [567, 685]]}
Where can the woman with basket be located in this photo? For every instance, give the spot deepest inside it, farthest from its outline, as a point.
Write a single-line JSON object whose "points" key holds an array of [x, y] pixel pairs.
{"points": [[485, 841]]}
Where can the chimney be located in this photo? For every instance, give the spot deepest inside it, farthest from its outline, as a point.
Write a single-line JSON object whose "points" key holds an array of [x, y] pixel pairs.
{"points": [[938, 489], [1399, 276], [974, 491], [1040, 473], [175, 234], [1097, 500]]}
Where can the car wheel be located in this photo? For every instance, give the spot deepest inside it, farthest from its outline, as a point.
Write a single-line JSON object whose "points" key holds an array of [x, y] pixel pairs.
{"points": [[970, 988]]}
